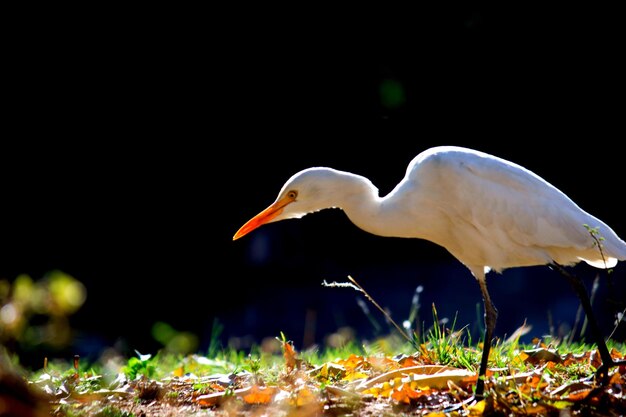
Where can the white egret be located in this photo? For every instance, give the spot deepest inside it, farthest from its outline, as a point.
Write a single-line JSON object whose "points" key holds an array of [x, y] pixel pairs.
{"points": [[489, 213]]}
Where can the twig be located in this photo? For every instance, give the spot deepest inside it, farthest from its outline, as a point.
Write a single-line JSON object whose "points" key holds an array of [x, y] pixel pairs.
{"points": [[620, 318], [594, 290], [402, 332], [593, 231], [355, 285]]}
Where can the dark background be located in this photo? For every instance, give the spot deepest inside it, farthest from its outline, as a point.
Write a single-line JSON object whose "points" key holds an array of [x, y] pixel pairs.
{"points": [[136, 142]]}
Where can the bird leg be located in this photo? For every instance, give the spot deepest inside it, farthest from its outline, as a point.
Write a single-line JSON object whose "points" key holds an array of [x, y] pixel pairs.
{"points": [[491, 314], [581, 292]]}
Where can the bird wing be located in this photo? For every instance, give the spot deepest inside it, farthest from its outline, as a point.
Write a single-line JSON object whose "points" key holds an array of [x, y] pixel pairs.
{"points": [[502, 201], [517, 202]]}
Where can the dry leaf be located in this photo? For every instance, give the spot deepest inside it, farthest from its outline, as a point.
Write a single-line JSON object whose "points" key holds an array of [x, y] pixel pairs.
{"points": [[382, 364], [409, 361], [353, 362], [536, 356], [304, 397], [575, 391], [259, 395], [180, 371], [434, 374], [289, 354], [405, 394], [209, 400]]}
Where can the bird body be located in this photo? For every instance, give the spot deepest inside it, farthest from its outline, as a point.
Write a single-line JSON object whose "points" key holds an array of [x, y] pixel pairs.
{"points": [[494, 214], [489, 213]]}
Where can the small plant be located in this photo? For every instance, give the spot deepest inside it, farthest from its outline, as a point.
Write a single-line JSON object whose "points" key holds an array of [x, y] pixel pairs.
{"points": [[597, 241], [141, 365], [214, 343], [446, 346], [254, 364]]}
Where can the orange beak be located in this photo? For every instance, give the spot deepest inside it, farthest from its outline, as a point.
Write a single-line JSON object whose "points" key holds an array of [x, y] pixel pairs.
{"points": [[263, 217]]}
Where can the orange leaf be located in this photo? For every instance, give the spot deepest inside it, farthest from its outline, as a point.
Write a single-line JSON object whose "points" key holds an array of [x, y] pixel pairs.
{"points": [[616, 378], [578, 395], [180, 371], [353, 362], [540, 355], [382, 364], [409, 361], [616, 354], [209, 400], [353, 376], [405, 394], [595, 360], [575, 391], [290, 356], [572, 358], [259, 395], [304, 397]]}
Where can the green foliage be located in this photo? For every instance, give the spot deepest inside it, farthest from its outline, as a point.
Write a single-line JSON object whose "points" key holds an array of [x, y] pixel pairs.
{"points": [[254, 364], [55, 297], [447, 346], [442, 346], [141, 365], [214, 343], [174, 341], [318, 357]]}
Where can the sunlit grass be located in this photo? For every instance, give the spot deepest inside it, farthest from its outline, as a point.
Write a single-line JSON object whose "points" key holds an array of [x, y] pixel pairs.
{"points": [[188, 373], [439, 344]]}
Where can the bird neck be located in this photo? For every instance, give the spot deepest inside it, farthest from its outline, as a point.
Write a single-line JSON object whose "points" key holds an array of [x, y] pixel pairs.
{"points": [[365, 208], [394, 215]]}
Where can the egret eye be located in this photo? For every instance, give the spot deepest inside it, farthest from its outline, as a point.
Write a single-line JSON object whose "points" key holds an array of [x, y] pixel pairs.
{"points": [[292, 194]]}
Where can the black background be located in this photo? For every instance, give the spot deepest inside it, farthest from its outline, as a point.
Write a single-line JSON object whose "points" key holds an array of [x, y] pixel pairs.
{"points": [[136, 142]]}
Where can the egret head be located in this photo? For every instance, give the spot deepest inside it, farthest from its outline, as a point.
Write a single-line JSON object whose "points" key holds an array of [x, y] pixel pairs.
{"points": [[308, 191]]}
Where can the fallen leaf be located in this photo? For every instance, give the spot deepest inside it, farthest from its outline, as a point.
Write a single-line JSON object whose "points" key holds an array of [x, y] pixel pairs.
{"points": [[616, 378], [434, 376], [530, 409], [405, 394], [572, 358], [341, 392], [327, 371], [536, 356], [209, 400], [180, 371], [575, 391], [382, 364], [616, 354], [594, 359], [477, 409], [353, 362], [304, 396], [259, 395], [289, 354], [353, 376], [217, 387], [408, 362]]}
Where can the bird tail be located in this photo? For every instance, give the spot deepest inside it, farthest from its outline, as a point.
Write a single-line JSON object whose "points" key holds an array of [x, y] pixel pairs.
{"points": [[611, 250], [608, 262]]}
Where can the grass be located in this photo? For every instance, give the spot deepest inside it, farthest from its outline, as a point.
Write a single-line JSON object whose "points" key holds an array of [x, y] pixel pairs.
{"points": [[427, 370], [530, 379]]}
